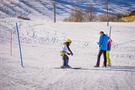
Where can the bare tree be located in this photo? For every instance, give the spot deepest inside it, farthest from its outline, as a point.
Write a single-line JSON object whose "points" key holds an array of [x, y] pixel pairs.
{"points": [[76, 16], [90, 15]]}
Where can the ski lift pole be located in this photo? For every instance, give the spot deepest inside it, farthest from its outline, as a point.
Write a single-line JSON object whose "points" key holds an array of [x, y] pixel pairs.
{"points": [[17, 29], [107, 9], [54, 7]]}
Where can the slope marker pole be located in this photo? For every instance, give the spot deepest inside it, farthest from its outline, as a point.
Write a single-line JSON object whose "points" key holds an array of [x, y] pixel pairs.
{"points": [[20, 49]]}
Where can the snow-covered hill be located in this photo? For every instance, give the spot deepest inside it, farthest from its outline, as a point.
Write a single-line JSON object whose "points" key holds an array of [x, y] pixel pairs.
{"points": [[44, 8], [41, 42]]}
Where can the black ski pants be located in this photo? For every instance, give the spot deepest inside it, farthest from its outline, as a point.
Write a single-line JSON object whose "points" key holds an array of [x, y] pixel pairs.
{"points": [[98, 58]]}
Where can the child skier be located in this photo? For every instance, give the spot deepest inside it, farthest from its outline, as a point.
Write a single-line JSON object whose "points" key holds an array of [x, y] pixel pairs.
{"points": [[108, 52], [65, 52]]}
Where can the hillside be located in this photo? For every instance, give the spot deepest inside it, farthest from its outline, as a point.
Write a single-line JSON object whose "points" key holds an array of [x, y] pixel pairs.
{"points": [[44, 8], [129, 18], [34, 63]]}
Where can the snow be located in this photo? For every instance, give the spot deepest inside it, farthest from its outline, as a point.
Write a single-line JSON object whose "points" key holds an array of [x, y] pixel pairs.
{"points": [[41, 43], [28, 8]]}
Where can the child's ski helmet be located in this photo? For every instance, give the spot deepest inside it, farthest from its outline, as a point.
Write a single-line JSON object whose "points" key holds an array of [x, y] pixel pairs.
{"points": [[69, 40]]}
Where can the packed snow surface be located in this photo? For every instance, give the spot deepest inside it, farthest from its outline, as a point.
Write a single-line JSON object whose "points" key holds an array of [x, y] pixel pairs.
{"points": [[41, 43]]}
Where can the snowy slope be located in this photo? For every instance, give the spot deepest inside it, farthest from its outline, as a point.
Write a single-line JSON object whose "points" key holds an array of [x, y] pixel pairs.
{"points": [[28, 8], [41, 42]]}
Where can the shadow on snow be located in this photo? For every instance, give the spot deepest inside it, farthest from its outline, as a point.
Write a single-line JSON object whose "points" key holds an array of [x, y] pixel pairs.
{"points": [[113, 68]]}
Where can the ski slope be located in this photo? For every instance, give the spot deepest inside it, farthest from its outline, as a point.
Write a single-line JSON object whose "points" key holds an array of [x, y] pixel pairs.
{"points": [[44, 8], [41, 42]]}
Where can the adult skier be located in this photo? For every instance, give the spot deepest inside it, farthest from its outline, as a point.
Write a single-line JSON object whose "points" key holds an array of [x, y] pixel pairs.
{"points": [[103, 40]]}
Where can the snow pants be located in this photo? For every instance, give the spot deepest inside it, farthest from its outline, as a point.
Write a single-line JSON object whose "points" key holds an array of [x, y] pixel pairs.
{"points": [[98, 58], [65, 60], [107, 56]]}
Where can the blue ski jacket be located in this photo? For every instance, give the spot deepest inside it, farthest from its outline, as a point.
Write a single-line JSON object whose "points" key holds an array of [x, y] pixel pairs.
{"points": [[103, 41]]}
